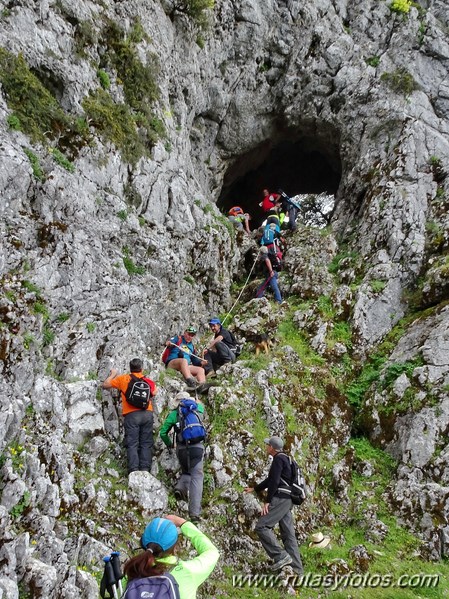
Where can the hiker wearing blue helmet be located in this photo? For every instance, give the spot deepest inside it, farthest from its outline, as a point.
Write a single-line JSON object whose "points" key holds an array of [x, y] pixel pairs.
{"points": [[222, 349], [158, 568]]}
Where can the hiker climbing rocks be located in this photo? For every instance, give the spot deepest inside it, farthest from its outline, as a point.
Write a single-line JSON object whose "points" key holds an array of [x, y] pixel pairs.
{"points": [[180, 355], [188, 437], [157, 565], [277, 509], [239, 219], [269, 263], [291, 208], [271, 202], [136, 392], [223, 349]]}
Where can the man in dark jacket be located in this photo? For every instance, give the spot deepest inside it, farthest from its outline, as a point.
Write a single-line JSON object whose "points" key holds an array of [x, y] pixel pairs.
{"points": [[277, 509], [223, 347]]}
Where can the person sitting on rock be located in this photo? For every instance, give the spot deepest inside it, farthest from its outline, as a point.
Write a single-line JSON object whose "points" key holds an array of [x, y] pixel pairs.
{"points": [[239, 219], [182, 357], [222, 350]]}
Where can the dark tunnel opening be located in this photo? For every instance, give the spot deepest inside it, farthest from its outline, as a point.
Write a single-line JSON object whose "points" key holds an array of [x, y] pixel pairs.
{"points": [[297, 166]]}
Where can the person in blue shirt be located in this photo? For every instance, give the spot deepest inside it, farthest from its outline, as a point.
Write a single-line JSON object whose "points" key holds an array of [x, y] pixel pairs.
{"points": [[182, 357]]}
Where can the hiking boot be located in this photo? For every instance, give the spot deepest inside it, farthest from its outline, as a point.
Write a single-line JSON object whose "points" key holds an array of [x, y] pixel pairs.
{"points": [[203, 388], [192, 384], [180, 495], [194, 519], [286, 561]]}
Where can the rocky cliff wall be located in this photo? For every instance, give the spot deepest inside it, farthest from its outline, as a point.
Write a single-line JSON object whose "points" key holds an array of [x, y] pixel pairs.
{"points": [[110, 237]]}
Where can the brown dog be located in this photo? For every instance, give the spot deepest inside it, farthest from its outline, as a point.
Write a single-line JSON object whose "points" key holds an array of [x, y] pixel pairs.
{"points": [[262, 343]]}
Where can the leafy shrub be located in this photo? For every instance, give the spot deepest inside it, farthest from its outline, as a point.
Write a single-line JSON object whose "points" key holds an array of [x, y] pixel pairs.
{"points": [[132, 268], [115, 122], [35, 164], [401, 6], [105, 82], [62, 160], [378, 286], [34, 106], [400, 81], [394, 371], [195, 9], [372, 61], [14, 122]]}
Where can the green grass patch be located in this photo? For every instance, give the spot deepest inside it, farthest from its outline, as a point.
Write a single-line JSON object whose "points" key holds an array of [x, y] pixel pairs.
{"points": [[62, 160], [378, 286], [41, 308], [34, 106], [131, 267], [116, 123], [38, 173], [400, 81], [290, 335]]}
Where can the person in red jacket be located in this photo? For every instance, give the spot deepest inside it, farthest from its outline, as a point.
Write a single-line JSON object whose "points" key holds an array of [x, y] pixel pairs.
{"points": [[138, 422], [271, 202]]}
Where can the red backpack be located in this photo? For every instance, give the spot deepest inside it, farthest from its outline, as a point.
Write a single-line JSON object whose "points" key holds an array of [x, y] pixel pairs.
{"points": [[168, 349]]}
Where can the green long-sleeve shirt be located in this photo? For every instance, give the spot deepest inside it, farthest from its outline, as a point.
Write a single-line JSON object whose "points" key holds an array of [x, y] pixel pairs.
{"points": [[191, 573], [170, 422]]}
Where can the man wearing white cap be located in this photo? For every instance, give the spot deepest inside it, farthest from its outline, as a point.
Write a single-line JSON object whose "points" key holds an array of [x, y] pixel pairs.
{"points": [[190, 456], [277, 509]]}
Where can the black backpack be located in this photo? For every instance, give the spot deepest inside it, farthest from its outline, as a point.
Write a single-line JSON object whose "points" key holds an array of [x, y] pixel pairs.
{"points": [[297, 488], [237, 346], [138, 394], [275, 256]]}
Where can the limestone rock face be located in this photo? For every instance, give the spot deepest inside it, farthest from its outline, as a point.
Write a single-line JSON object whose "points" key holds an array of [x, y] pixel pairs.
{"points": [[102, 258]]}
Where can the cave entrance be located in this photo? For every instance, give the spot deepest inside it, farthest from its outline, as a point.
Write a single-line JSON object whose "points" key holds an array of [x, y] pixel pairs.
{"points": [[296, 164]]}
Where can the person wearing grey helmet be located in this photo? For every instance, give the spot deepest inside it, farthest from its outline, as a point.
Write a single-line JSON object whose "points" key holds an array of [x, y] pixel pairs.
{"points": [[277, 510]]}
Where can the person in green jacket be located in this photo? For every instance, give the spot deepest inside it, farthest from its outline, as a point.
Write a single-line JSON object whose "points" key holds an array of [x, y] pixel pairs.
{"points": [[190, 484], [159, 542]]}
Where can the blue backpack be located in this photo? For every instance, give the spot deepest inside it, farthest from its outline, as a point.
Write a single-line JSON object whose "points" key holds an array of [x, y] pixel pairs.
{"points": [[270, 235], [163, 586], [189, 427]]}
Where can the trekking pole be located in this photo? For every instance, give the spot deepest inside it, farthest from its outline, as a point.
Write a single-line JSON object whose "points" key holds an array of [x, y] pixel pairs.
{"points": [[190, 353], [108, 582], [115, 560]]}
